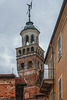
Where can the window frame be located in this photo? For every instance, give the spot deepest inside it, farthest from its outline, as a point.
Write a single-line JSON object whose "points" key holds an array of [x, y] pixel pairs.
{"points": [[52, 95], [59, 47], [61, 87]]}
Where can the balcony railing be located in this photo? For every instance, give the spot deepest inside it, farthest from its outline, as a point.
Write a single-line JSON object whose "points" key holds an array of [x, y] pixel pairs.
{"points": [[46, 80]]}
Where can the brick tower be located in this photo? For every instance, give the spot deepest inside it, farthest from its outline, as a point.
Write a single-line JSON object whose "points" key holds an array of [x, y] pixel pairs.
{"points": [[30, 58]]}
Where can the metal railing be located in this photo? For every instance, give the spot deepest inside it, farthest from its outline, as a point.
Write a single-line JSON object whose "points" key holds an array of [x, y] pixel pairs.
{"points": [[46, 74]]}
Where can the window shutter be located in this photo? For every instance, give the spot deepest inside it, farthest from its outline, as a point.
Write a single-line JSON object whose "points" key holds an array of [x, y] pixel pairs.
{"points": [[59, 48], [60, 91], [51, 95]]}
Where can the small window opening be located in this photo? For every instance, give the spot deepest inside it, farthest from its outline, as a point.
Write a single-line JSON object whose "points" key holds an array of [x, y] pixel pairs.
{"points": [[41, 66], [27, 50], [23, 51], [40, 52], [22, 65], [32, 39], [19, 52], [37, 39], [30, 63], [27, 40], [32, 48], [38, 63]]}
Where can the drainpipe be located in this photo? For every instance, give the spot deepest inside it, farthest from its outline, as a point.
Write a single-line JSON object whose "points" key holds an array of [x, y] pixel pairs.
{"points": [[53, 71]]}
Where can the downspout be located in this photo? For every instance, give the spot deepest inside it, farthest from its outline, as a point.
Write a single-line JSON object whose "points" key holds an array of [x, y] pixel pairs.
{"points": [[53, 71]]}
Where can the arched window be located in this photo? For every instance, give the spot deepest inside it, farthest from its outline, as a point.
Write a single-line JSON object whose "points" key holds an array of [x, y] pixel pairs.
{"points": [[22, 65], [23, 51], [41, 66], [32, 39], [36, 50], [32, 49], [27, 40], [38, 63], [37, 39], [30, 63], [40, 52], [27, 50], [19, 52]]}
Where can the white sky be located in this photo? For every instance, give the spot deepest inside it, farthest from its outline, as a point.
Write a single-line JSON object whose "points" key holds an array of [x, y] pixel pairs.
{"points": [[13, 18]]}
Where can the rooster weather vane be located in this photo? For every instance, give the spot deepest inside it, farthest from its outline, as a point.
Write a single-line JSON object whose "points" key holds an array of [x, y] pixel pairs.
{"points": [[29, 9]]}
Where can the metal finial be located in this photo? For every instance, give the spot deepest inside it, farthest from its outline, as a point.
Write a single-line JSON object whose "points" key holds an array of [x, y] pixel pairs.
{"points": [[29, 8]]}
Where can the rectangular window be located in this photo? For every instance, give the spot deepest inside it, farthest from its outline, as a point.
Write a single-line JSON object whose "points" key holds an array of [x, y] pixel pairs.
{"points": [[51, 67], [59, 48], [60, 89], [52, 95]]}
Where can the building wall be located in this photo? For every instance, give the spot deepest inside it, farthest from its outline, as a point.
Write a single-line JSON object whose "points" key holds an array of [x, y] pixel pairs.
{"points": [[60, 69], [41, 98], [30, 91], [7, 88]]}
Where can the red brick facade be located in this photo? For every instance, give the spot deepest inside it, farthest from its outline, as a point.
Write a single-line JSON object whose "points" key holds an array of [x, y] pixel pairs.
{"points": [[7, 88]]}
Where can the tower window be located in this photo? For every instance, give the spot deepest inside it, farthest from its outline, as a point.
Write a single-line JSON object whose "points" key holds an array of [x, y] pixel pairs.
{"points": [[23, 51], [27, 40], [41, 66], [32, 39], [19, 52], [22, 65], [40, 52], [32, 48], [37, 39], [30, 63], [27, 50], [38, 63]]}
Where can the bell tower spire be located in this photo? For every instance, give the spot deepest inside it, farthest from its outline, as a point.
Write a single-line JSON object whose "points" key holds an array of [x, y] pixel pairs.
{"points": [[29, 9]]}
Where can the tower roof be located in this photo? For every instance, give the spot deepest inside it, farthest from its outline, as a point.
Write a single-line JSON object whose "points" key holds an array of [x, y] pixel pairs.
{"points": [[29, 25]]}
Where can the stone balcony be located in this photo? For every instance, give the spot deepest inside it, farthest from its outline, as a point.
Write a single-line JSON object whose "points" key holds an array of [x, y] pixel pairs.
{"points": [[46, 82]]}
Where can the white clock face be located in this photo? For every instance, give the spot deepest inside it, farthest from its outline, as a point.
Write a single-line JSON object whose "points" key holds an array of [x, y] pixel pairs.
{"points": [[26, 95]]}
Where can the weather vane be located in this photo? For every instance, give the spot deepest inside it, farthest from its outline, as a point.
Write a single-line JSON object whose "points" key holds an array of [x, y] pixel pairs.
{"points": [[29, 9]]}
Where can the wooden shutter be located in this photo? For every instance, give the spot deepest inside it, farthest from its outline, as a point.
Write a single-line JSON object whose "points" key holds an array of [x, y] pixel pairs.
{"points": [[59, 48], [60, 90]]}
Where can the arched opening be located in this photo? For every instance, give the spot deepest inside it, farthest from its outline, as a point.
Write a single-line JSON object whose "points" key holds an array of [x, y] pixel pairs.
{"points": [[38, 63], [41, 66], [37, 39], [19, 52], [32, 49], [28, 50], [32, 39], [30, 63], [22, 65], [23, 51], [27, 40], [40, 52]]}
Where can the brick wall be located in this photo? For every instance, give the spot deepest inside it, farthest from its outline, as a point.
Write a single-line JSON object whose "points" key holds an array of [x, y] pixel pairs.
{"points": [[7, 88]]}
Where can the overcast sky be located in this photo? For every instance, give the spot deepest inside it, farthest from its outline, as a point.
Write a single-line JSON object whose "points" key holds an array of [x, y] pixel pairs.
{"points": [[13, 18]]}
